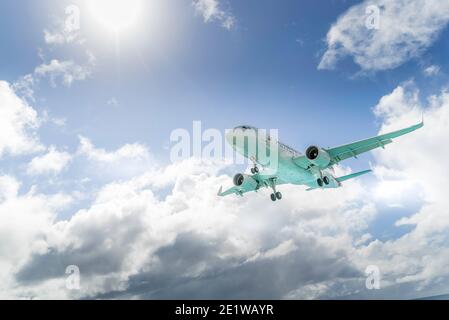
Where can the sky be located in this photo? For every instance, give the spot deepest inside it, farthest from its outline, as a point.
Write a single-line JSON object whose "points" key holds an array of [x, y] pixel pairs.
{"points": [[89, 97]]}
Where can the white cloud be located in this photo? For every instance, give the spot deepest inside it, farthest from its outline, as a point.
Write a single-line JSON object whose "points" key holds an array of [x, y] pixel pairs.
{"points": [[52, 162], [61, 36], [407, 28], [211, 10], [67, 30], [9, 187], [25, 87], [68, 71], [415, 162], [25, 222], [127, 152], [57, 121], [432, 70], [125, 162], [18, 124], [130, 236]]}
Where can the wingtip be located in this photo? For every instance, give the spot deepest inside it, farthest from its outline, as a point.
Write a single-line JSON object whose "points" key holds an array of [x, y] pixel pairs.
{"points": [[220, 191]]}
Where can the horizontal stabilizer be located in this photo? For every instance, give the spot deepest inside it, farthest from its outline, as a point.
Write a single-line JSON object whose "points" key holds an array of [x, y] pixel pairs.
{"points": [[352, 176]]}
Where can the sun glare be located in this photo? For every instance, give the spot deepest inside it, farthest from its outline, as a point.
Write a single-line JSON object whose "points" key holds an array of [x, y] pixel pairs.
{"points": [[116, 15]]}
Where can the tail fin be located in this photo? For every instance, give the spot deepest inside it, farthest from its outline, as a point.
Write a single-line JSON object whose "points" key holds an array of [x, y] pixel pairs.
{"points": [[352, 176]]}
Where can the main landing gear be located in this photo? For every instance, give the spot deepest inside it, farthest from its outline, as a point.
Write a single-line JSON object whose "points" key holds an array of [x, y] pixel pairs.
{"points": [[276, 195], [322, 182]]}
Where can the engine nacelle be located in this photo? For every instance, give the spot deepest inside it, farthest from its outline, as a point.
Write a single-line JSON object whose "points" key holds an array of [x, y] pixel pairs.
{"points": [[244, 180], [318, 157]]}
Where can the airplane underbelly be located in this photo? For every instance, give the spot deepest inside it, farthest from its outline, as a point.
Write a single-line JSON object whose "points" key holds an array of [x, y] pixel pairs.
{"points": [[288, 172]]}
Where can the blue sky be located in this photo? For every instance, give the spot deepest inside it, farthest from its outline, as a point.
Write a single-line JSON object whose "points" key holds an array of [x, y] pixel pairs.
{"points": [[263, 71], [256, 73], [106, 103]]}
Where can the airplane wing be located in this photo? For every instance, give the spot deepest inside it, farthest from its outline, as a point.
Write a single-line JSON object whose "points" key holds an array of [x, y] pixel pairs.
{"points": [[260, 180], [354, 149]]}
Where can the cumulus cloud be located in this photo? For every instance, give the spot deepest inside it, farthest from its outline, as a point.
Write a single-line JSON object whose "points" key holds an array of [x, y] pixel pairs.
{"points": [[18, 124], [25, 222], [211, 10], [417, 258], [127, 161], [52, 162], [407, 28], [131, 242]]}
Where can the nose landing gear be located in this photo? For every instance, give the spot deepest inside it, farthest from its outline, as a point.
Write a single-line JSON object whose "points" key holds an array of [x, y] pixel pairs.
{"points": [[255, 170]]}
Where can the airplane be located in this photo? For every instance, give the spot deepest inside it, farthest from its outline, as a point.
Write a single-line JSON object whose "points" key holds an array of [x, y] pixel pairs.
{"points": [[313, 169]]}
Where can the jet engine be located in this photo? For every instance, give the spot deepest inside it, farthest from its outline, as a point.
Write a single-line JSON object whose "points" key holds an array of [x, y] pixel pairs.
{"points": [[318, 157], [246, 181]]}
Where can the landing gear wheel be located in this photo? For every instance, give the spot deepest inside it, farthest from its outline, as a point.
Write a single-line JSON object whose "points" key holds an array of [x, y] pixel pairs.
{"points": [[320, 182], [326, 180], [273, 197], [279, 195], [254, 170]]}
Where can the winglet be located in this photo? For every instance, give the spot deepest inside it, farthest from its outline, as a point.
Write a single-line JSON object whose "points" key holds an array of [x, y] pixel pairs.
{"points": [[220, 192]]}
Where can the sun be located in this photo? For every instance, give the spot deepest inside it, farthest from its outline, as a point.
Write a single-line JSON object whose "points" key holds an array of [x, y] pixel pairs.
{"points": [[116, 15]]}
